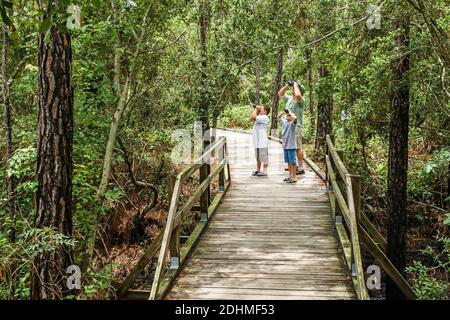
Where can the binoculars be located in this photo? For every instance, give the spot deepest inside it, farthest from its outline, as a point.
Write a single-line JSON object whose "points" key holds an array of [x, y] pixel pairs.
{"points": [[290, 83]]}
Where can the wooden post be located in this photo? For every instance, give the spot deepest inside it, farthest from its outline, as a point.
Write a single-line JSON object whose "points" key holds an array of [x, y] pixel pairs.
{"points": [[222, 172], [332, 138], [174, 246], [356, 186], [228, 172], [338, 182], [170, 186], [204, 199]]}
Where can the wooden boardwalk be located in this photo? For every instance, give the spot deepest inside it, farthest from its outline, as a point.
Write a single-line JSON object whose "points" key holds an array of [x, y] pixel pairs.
{"points": [[268, 239]]}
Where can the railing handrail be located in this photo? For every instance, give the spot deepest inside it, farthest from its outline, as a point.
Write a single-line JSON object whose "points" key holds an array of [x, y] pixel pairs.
{"points": [[175, 215], [349, 212], [358, 224]]}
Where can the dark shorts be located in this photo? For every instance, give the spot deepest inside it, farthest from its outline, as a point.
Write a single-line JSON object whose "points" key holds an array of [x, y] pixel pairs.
{"points": [[290, 156]]}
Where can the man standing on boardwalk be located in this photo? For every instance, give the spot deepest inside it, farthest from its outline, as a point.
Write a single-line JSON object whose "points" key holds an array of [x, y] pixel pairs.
{"points": [[260, 119], [296, 104]]}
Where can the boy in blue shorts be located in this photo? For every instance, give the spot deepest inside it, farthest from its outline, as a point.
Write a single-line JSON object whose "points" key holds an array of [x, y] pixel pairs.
{"points": [[288, 122]]}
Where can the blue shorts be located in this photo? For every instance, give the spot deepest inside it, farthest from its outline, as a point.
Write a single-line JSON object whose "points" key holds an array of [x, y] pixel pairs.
{"points": [[290, 156]]}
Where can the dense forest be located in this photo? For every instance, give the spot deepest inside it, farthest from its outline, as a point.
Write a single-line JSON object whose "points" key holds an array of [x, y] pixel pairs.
{"points": [[93, 90]]}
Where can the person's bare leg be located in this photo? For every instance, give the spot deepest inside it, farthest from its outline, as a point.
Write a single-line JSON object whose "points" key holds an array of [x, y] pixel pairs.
{"points": [[293, 172], [266, 166], [300, 160], [258, 166]]}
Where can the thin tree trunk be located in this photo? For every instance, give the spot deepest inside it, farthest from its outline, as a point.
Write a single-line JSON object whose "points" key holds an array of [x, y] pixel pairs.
{"points": [[122, 104], [117, 55], [54, 163], [112, 139], [109, 152], [11, 183], [258, 81], [309, 63], [204, 102], [324, 112], [277, 87], [398, 154], [204, 99]]}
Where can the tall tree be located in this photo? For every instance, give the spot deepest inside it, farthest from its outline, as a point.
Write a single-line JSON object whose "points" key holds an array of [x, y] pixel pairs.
{"points": [[204, 102], [276, 88], [54, 163], [203, 106], [324, 56], [398, 151], [309, 62], [124, 99], [10, 181], [258, 81], [324, 109], [305, 28]]}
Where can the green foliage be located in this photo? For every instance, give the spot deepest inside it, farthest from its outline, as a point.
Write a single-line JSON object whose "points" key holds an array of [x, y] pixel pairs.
{"points": [[236, 117], [95, 285], [16, 258], [4, 6], [425, 284], [433, 172]]}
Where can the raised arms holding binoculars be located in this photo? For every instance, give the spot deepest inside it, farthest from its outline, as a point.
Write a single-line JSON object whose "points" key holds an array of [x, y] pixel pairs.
{"points": [[297, 92]]}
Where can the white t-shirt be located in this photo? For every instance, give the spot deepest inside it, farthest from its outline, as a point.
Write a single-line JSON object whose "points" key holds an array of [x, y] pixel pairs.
{"points": [[260, 132]]}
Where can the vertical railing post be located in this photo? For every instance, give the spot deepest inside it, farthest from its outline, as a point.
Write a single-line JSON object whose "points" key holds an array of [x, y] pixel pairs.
{"points": [[356, 184], [356, 192], [174, 248], [204, 199], [331, 160], [222, 172], [174, 245], [328, 177], [227, 172]]}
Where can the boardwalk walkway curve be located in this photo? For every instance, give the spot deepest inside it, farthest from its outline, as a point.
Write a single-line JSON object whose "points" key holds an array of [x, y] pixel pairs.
{"points": [[261, 238], [268, 239]]}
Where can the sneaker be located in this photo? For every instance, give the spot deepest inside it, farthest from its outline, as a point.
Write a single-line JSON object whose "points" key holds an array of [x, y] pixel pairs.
{"points": [[301, 172], [255, 173], [260, 174]]}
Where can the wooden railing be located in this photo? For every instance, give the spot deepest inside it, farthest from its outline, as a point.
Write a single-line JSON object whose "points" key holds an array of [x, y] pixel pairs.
{"points": [[168, 241], [353, 226]]}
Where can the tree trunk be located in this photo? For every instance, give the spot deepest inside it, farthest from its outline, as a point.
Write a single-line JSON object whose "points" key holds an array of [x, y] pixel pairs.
{"points": [[121, 106], [204, 102], [117, 55], [309, 63], [258, 81], [398, 154], [277, 87], [10, 181], [324, 111], [112, 139], [54, 163]]}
